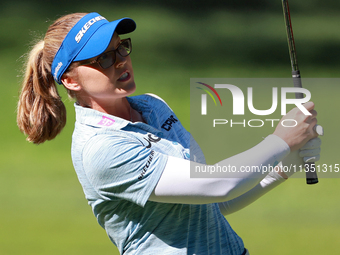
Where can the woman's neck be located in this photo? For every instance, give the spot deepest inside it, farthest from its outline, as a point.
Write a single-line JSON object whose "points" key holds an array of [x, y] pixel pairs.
{"points": [[119, 107]]}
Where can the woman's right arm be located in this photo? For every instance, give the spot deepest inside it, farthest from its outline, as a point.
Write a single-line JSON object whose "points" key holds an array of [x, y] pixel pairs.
{"points": [[177, 186]]}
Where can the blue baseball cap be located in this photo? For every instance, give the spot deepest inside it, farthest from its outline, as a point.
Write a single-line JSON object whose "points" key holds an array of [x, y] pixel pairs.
{"points": [[88, 38]]}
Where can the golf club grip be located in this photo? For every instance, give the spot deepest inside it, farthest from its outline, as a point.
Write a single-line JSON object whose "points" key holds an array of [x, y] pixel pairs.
{"points": [[311, 175]]}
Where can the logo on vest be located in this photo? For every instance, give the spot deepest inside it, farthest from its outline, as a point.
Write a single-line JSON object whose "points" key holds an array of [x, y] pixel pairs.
{"points": [[167, 125], [105, 121], [151, 139]]}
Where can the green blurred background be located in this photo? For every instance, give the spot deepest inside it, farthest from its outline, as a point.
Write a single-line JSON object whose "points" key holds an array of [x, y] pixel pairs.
{"points": [[43, 209]]}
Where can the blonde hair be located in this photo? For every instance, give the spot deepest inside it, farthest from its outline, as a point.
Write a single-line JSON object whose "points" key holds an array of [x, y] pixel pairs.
{"points": [[41, 113]]}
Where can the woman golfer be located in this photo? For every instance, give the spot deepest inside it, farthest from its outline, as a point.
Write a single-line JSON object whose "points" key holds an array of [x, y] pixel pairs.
{"points": [[134, 172]]}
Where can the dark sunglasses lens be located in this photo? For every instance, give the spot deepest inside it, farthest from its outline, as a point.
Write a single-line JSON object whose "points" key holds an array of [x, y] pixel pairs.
{"points": [[124, 48], [107, 60]]}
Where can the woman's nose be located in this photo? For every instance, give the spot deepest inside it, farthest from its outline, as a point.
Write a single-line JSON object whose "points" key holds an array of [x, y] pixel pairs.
{"points": [[120, 61]]}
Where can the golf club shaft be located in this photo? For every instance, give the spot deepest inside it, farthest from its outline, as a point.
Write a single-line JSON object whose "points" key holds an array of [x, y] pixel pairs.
{"points": [[311, 175]]}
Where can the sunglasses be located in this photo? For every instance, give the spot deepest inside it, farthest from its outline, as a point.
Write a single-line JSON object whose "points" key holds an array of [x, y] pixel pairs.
{"points": [[108, 58]]}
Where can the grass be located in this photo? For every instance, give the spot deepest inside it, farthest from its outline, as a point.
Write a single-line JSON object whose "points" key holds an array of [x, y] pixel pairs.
{"points": [[43, 208]]}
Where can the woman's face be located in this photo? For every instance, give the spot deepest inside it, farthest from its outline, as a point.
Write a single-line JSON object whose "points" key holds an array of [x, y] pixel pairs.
{"points": [[104, 85]]}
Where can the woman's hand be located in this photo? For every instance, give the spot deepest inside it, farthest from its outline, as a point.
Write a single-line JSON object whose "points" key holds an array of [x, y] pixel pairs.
{"points": [[291, 164], [296, 137]]}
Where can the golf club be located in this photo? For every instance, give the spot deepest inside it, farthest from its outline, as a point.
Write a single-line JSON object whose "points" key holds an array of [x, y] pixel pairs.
{"points": [[311, 175]]}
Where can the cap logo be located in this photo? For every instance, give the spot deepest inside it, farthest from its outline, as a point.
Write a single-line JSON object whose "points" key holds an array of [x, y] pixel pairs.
{"points": [[60, 64], [86, 27]]}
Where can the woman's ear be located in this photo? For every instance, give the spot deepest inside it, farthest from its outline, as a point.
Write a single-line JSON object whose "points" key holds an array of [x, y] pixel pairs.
{"points": [[70, 83]]}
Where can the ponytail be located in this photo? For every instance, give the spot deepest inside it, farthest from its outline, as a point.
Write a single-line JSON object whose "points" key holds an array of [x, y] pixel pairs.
{"points": [[41, 113]]}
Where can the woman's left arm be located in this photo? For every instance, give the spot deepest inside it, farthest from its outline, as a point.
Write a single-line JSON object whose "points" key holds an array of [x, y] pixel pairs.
{"points": [[272, 180], [309, 152]]}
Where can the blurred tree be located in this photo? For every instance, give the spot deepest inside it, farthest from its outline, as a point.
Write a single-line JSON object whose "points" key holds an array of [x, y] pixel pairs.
{"points": [[189, 6]]}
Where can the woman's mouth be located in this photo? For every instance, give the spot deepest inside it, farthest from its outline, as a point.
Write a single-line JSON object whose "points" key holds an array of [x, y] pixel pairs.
{"points": [[124, 77]]}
